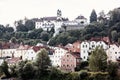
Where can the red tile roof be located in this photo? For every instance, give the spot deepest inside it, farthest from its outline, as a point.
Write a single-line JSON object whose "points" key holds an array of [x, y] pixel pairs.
{"points": [[13, 60]]}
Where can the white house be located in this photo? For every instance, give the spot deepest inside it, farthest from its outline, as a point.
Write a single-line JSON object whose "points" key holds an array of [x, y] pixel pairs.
{"points": [[31, 53], [88, 46], [56, 57], [84, 50], [113, 53]]}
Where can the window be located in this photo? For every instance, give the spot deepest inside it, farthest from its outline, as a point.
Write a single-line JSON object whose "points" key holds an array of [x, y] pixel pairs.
{"points": [[83, 46], [93, 46], [86, 45], [67, 55], [89, 53], [67, 65], [84, 51], [115, 52], [84, 57]]}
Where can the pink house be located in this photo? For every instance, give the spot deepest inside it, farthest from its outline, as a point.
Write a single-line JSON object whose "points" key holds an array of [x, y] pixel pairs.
{"points": [[69, 61]]}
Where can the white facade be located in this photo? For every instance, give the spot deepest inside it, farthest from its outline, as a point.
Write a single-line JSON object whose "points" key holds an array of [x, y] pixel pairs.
{"points": [[56, 57], [113, 53], [45, 25], [88, 46], [8, 52], [29, 55], [84, 50]]}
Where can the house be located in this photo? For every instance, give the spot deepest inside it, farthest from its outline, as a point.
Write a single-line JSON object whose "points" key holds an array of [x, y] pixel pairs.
{"points": [[113, 53], [84, 49], [31, 53], [79, 23], [88, 46], [70, 61], [56, 56]]}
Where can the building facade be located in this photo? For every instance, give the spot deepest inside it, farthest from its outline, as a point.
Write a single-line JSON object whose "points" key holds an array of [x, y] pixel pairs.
{"points": [[69, 61], [57, 55], [113, 53], [88, 46]]}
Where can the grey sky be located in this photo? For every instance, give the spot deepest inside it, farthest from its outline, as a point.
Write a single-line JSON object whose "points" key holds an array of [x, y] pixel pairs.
{"points": [[11, 10]]}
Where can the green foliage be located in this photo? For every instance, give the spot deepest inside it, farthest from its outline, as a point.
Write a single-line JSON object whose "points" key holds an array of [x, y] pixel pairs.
{"points": [[42, 63], [25, 70], [13, 72], [84, 75], [21, 28], [44, 36], [62, 38], [114, 17], [30, 25], [98, 76], [93, 16], [113, 70], [114, 36], [98, 60], [4, 68], [13, 40], [55, 74]]}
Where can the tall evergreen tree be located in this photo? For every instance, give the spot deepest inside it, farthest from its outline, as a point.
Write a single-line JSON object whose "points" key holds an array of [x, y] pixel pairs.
{"points": [[93, 16]]}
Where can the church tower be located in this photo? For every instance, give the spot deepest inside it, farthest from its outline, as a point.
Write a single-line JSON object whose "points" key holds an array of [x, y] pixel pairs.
{"points": [[59, 15]]}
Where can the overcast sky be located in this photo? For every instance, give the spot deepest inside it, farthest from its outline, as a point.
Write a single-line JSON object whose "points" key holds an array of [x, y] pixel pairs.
{"points": [[11, 10]]}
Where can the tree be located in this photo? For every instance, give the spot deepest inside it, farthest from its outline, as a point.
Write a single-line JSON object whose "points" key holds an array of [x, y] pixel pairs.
{"points": [[9, 29], [112, 70], [4, 68], [42, 63], [21, 28], [13, 40], [98, 60], [114, 36], [52, 41], [64, 26], [52, 30], [44, 36], [29, 71], [93, 16], [114, 17], [30, 25]]}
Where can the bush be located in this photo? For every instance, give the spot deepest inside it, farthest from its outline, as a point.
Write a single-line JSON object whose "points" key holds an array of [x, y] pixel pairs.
{"points": [[84, 75], [98, 76]]}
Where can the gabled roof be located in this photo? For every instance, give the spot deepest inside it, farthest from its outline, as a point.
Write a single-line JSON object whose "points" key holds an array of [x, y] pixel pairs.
{"points": [[50, 18], [24, 47], [80, 17], [13, 60]]}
